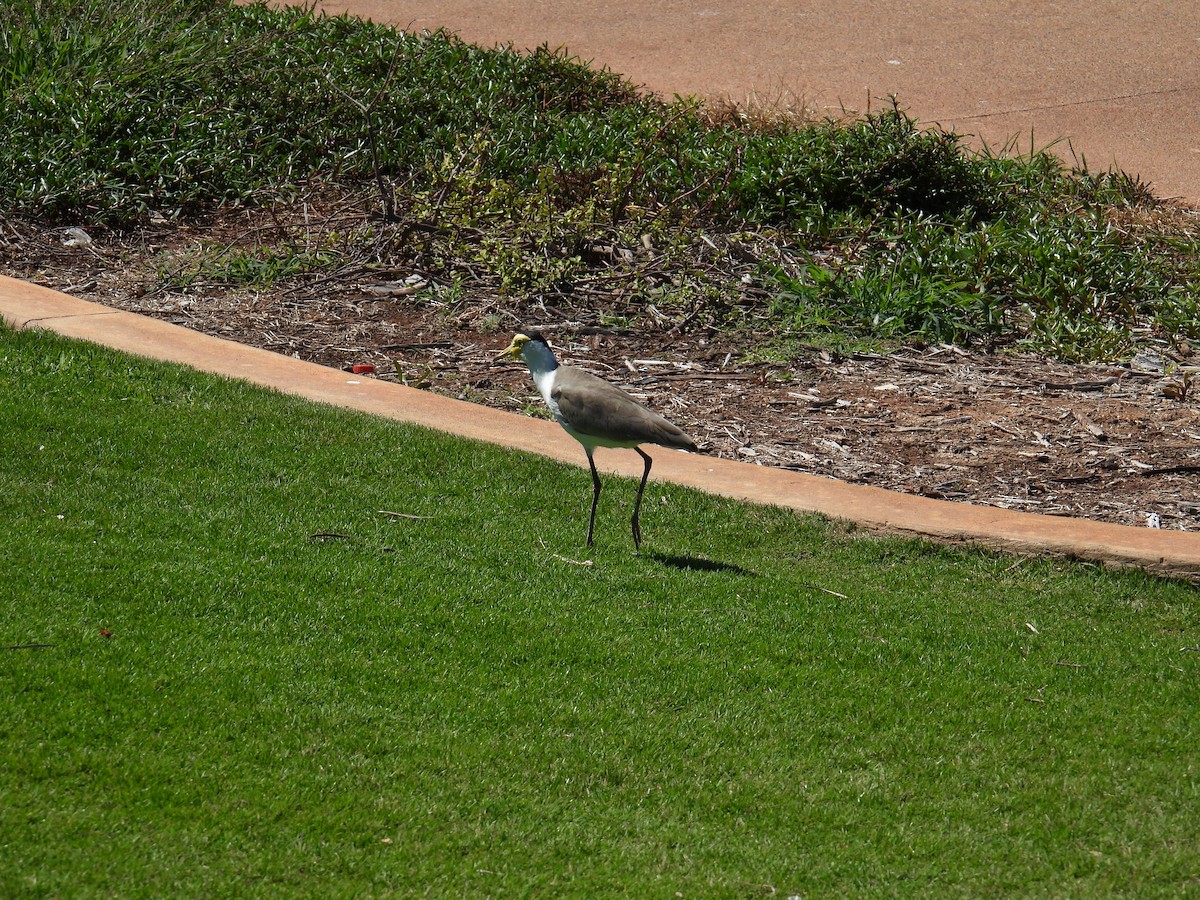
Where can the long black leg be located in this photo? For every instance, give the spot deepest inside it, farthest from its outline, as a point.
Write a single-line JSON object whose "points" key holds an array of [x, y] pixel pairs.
{"points": [[637, 504], [595, 496]]}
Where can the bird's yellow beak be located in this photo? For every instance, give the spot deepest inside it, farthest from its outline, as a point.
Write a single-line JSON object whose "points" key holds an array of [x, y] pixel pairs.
{"points": [[512, 351]]}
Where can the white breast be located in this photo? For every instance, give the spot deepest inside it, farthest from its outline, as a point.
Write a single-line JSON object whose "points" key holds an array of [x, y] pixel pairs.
{"points": [[545, 386]]}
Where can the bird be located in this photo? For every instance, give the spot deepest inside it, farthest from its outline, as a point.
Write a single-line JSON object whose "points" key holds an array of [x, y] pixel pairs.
{"points": [[595, 413]]}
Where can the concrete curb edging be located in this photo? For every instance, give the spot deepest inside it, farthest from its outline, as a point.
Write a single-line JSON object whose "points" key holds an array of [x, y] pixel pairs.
{"points": [[1169, 553]]}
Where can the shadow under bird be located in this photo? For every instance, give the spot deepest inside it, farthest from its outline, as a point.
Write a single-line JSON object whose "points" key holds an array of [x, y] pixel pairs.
{"points": [[595, 413]]}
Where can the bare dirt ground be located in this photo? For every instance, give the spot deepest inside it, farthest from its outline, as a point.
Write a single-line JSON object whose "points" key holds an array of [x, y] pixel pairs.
{"points": [[1116, 443]]}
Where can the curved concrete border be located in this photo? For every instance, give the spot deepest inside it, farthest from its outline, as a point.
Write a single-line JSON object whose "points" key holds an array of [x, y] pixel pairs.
{"points": [[1171, 553]]}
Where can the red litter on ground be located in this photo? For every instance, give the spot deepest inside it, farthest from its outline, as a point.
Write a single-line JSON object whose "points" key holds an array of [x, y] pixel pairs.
{"points": [[363, 369]]}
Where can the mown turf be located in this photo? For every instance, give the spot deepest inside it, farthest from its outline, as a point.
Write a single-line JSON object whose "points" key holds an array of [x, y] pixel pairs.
{"points": [[204, 691]]}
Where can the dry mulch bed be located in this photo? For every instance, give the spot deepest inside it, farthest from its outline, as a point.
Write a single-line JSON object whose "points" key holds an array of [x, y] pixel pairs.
{"points": [[1112, 443]]}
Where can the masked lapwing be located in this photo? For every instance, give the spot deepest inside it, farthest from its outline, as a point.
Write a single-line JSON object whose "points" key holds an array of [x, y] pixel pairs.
{"points": [[595, 413]]}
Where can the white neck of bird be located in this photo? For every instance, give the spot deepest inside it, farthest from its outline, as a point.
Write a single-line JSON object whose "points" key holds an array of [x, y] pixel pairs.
{"points": [[540, 359]]}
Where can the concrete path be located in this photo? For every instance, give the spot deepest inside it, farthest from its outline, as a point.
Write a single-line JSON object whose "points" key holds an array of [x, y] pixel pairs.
{"points": [[1116, 79], [1173, 553]]}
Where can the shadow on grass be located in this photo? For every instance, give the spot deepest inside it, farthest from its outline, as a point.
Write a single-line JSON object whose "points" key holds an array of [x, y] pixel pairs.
{"points": [[696, 564]]}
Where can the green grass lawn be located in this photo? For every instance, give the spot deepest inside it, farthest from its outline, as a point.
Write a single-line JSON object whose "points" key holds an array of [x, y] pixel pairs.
{"points": [[201, 696]]}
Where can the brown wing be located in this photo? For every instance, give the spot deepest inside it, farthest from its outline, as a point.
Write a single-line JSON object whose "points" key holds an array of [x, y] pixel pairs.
{"points": [[596, 408]]}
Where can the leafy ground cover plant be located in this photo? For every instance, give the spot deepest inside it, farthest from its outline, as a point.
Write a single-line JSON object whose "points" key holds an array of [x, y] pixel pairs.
{"points": [[512, 169]]}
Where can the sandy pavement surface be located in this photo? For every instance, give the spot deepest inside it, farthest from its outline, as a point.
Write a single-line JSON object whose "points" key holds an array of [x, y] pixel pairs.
{"points": [[1114, 82]]}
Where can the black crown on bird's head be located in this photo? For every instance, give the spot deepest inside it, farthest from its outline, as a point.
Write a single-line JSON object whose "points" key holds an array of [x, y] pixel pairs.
{"points": [[534, 335]]}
